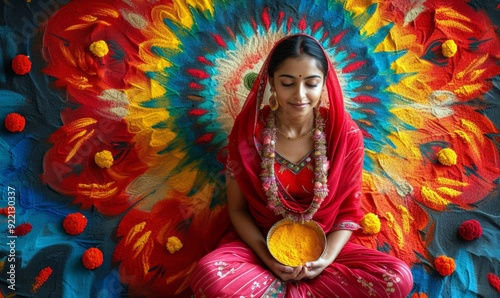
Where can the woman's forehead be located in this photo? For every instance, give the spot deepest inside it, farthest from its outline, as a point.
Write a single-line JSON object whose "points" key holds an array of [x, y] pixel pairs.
{"points": [[303, 66]]}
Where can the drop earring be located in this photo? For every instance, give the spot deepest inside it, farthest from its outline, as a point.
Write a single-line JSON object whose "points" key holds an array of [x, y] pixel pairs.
{"points": [[273, 102]]}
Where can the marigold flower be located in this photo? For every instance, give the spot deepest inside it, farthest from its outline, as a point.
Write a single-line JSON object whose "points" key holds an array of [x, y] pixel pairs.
{"points": [[21, 64], [99, 48], [419, 295], [470, 230], [174, 244], [444, 265], [15, 122], [104, 159], [447, 157], [370, 224], [74, 223], [449, 48], [92, 258]]}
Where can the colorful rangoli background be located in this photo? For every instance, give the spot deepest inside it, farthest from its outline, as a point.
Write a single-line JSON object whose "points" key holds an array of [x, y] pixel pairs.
{"points": [[160, 95]]}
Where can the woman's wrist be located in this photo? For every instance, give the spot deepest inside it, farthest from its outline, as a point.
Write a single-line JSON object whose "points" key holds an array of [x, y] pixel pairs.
{"points": [[336, 241]]}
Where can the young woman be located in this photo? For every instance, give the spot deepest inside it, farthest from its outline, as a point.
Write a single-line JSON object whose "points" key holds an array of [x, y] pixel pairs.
{"points": [[299, 158]]}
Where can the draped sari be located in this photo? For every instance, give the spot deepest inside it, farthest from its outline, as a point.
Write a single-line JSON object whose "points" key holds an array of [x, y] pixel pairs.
{"points": [[232, 269]]}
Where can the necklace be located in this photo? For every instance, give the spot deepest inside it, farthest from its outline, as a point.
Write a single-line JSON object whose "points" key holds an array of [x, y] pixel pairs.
{"points": [[268, 177], [296, 138]]}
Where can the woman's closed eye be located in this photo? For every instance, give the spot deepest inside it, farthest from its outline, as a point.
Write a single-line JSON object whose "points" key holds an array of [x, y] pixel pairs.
{"points": [[311, 85]]}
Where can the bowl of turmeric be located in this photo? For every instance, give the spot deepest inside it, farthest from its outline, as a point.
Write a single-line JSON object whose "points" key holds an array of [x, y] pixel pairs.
{"points": [[294, 243]]}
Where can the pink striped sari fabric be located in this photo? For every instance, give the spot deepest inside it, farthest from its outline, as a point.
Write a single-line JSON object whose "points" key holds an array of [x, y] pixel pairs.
{"points": [[233, 270]]}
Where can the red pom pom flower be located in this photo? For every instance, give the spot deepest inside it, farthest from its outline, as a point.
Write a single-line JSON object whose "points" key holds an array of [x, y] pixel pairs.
{"points": [[470, 230], [444, 265], [23, 229], [74, 223], [92, 258], [494, 281], [15, 122], [21, 64], [41, 278]]}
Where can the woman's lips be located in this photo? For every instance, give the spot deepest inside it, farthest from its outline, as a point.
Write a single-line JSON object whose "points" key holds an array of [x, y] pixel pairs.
{"points": [[299, 105]]}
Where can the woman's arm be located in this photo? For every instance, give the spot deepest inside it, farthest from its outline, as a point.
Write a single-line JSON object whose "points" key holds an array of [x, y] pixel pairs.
{"points": [[335, 242], [248, 231]]}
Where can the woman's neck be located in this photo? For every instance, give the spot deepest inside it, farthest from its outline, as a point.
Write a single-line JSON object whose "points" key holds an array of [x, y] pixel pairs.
{"points": [[294, 127]]}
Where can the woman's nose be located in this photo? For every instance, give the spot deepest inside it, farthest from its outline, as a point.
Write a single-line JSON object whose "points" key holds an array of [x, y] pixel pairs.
{"points": [[301, 91]]}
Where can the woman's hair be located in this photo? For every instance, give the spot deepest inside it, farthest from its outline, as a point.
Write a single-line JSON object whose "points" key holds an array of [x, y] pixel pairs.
{"points": [[294, 47]]}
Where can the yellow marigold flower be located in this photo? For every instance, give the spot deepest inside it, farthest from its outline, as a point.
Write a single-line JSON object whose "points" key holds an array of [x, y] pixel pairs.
{"points": [[447, 157], [173, 244], [99, 48], [449, 48], [370, 224], [104, 159]]}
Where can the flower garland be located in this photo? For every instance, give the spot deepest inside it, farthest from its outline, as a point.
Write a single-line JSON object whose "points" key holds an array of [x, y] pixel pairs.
{"points": [[268, 177]]}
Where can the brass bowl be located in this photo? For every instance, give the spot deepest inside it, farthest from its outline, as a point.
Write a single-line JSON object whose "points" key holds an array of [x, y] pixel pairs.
{"points": [[298, 250]]}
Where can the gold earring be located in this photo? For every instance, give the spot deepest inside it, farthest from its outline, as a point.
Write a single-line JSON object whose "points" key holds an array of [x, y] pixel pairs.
{"points": [[273, 102]]}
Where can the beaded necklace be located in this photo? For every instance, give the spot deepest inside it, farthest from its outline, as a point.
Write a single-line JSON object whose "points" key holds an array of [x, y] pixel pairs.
{"points": [[268, 177]]}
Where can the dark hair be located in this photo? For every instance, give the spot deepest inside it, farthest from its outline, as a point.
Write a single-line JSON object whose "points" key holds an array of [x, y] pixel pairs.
{"points": [[294, 47]]}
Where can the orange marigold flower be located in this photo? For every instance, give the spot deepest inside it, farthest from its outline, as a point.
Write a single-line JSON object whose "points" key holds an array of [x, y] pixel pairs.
{"points": [[14, 122], [21, 64], [444, 265], [74, 223], [92, 258]]}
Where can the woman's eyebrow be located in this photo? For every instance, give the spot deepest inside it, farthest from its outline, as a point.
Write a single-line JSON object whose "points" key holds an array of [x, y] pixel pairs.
{"points": [[306, 78]]}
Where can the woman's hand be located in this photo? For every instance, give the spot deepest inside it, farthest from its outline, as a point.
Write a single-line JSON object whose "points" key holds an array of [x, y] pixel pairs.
{"points": [[312, 269], [283, 272], [309, 271], [336, 241]]}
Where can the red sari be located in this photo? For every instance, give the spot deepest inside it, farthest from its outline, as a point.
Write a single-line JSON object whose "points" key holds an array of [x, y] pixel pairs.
{"points": [[233, 269]]}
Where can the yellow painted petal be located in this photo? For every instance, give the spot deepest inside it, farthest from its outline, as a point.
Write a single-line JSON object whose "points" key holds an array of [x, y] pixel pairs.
{"points": [[449, 191], [134, 231], [454, 24], [140, 243], [411, 116], [97, 191], [448, 181], [391, 223], [432, 199], [407, 218], [468, 89]]}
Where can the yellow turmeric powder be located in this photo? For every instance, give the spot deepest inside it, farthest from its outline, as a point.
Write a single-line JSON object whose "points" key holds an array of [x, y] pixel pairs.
{"points": [[294, 244]]}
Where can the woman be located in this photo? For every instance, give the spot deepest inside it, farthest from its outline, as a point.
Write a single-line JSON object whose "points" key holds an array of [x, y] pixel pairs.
{"points": [[300, 158]]}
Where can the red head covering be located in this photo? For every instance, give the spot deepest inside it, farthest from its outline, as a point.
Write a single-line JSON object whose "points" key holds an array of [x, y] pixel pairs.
{"points": [[344, 152]]}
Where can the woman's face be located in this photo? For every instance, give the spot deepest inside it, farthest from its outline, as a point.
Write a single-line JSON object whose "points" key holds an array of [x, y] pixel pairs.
{"points": [[298, 84]]}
